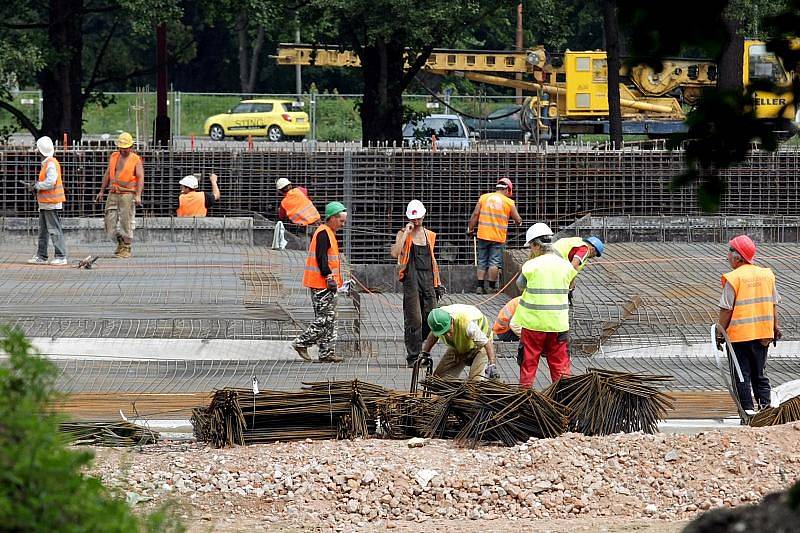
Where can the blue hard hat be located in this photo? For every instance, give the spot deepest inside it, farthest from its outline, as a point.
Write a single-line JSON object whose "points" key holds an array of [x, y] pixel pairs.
{"points": [[597, 243]]}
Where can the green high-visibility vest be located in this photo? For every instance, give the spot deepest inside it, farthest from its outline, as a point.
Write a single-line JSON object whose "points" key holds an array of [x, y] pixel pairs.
{"points": [[544, 305], [563, 247], [462, 315]]}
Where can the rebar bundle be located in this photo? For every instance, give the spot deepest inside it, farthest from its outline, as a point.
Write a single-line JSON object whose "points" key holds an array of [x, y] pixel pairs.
{"points": [[115, 433], [788, 411], [602, 402]]}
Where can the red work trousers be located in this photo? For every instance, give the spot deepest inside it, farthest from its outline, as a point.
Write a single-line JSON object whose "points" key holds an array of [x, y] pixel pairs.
{"points": [[534, 344]]}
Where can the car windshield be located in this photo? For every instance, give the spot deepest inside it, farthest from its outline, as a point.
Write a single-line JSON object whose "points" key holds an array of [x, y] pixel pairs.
{"points": [[242, 108], [441, 127], [290, 107], [764, 65]]}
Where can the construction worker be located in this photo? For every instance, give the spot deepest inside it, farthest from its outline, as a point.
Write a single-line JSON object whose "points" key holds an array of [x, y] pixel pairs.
{"points": [[124, 179], [491, 216], [296, 206], [504, 328], [194, 203], [543, 311], [323, 276], [749, 314], [51, 198], [419, 272], [465, 331], [578, 251]]}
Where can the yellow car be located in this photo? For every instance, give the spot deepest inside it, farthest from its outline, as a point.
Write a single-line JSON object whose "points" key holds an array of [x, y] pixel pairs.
{"points": [[275, 119]]}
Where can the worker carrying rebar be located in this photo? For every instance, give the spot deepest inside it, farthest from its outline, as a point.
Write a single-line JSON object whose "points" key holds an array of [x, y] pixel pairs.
{"points": [[124, 179], [465, 331], [543, 311], [193, 202], [414, 249], [491, 217], [50, 197], [323, 276], [504, 328], [749, 314], [578, 251], [296, 206]]}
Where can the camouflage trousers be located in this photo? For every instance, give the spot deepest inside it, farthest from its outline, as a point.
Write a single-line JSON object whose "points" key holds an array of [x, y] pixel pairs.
{"points": [[322, 331]]}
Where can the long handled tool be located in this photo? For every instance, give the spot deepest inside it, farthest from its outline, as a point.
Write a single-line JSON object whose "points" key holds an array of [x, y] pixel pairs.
{"points": [[734, 373], [423, 361]]}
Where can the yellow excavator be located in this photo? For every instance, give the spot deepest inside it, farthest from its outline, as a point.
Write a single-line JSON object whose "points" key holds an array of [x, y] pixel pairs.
{"points": [[573, 98]]}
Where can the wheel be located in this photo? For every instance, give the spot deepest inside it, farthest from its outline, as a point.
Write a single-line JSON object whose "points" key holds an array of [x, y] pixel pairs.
{"points": [[216, 132], [275, 133]]}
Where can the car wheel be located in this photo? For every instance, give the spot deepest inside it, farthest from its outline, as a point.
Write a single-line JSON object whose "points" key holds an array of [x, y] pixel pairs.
{"points": [[275, 134], [216, 132]]}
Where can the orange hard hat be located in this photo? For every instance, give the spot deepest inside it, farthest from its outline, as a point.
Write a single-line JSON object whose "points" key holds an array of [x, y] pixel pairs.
{"points": [[505, 183], [745, 246]]}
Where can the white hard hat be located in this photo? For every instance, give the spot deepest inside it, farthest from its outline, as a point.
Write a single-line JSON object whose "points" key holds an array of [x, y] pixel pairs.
{"points": [[189, 181], [281, 183], [45, 146], [540, 229], [415, 210]]}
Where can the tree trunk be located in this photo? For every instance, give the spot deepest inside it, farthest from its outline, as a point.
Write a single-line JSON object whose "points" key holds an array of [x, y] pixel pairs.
{"points": [[255, 61], [611, 30], [729, 66], [382, 108], [244, 70], [62, 109]]}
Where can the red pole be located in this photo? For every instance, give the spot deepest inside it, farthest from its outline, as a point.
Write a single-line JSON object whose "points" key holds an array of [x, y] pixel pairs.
{"points": [[192, 143], [66, 141], [250, 143]]}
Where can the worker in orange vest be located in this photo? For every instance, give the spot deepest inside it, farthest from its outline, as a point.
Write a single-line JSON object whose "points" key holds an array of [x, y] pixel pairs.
{"points": [[505, 329], [296, 206], [124, 179], [195, 203], [748, 311], [491, 217], [418, 271], [323, 276], [50, 196]]}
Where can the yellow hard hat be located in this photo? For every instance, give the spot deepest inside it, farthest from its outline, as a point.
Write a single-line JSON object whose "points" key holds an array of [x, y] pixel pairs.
{"points": [[125, 140]]}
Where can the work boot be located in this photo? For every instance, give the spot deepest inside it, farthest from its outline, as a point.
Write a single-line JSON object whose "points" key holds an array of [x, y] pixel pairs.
{"points": [[333, 358], [125, 252], [120, 244], [302, 351]]}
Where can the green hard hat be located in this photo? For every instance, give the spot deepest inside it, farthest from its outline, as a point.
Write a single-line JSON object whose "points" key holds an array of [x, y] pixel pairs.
{"points": [[334, 208], [439, 321]]}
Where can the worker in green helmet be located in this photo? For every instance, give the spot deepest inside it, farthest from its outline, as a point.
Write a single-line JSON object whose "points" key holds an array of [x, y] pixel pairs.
{"points": [[467, 334]]}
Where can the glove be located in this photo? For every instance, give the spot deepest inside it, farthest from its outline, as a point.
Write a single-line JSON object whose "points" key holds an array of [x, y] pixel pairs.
{"points": [[31, 187], [720, 342], [778, 336], [331, 283], [424, 355], [569, 296], [440, 292], [490, 372]]}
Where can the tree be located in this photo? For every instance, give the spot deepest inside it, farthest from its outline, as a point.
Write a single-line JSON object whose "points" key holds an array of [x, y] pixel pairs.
{"points": [[612, 38], [393, 39]]}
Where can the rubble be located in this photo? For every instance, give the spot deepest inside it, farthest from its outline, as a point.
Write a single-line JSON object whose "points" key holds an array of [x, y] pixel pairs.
{"points": [[374, 482]]}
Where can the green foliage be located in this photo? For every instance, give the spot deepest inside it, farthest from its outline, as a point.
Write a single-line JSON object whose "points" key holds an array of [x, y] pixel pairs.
{"points": [[41, 484]]}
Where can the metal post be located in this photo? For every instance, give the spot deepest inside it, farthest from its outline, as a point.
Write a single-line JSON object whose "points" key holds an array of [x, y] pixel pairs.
{"points": [[519, 45], [348, 199], [313, 96], [162, 116], [298, 70]]}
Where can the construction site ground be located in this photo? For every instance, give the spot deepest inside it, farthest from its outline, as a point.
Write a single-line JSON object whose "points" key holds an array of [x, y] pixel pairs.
{"points": [[623, 482]]}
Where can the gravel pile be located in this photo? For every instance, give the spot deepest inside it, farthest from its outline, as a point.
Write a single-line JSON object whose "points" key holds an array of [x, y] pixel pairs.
{"points": [[381, 483]]}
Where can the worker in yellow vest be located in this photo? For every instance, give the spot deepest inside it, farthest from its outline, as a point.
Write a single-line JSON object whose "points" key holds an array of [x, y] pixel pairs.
{"points": [[296, 206], [193, 202], [418, 271], [323, 277], [578, 251], [749, 314], [543, 311], [465, 331], [504, 328], [124, 179], [50, 197], [491, 216]]}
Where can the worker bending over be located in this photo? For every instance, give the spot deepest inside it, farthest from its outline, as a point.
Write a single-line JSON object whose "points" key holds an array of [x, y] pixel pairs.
{"points": [[323, 276], [749, 314], [418, 271], [465, 331], [296, 206], [543, 311], [505, 329], [578, 251], [491, 216], [50, 198], [193, 202]]}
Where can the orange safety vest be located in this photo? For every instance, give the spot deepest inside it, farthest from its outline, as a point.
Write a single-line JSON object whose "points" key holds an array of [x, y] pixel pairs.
{"points": [[299, 208], [495, 208], [754, 309], [56, 194], [503, 322], [402, 259], [126, 181], [192, 204], [312, 277]]}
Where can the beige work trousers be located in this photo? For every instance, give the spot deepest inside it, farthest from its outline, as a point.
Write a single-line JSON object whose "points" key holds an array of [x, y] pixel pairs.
{"points": [[120, 214], [453, 363]]}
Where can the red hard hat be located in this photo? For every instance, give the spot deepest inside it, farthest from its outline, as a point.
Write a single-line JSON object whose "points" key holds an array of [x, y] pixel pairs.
{"points": [[745, 246], [507, 182]]}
